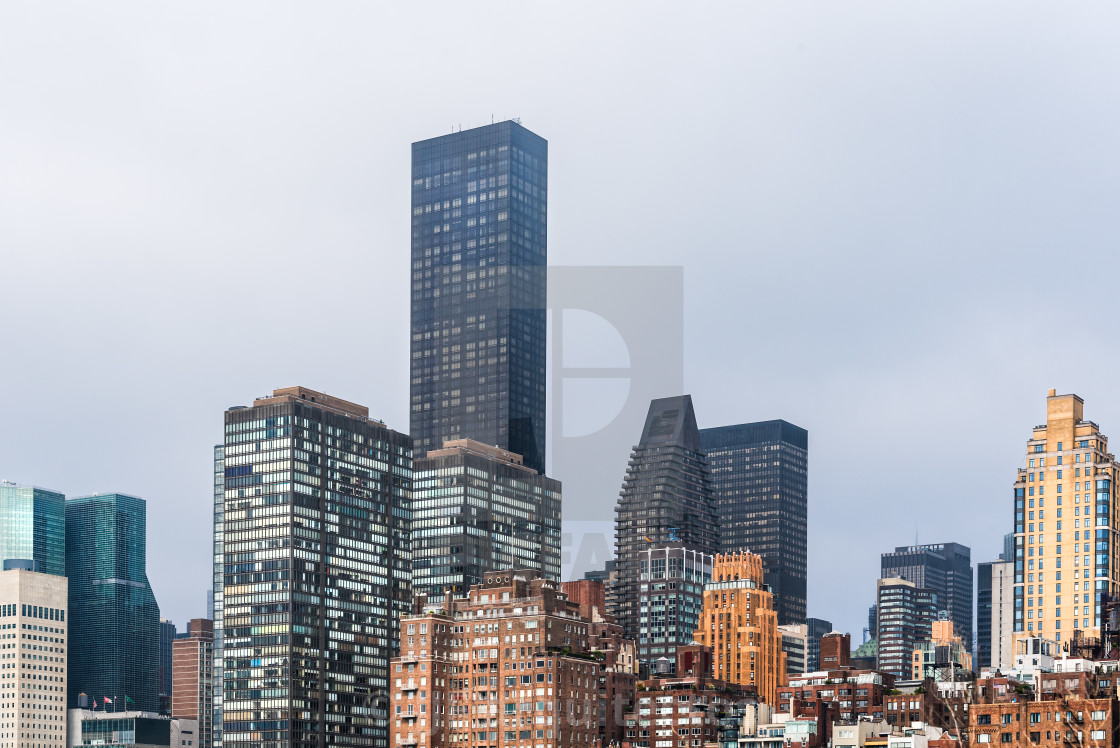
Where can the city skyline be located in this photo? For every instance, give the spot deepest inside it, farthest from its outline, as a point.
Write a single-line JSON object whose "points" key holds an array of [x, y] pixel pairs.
{"points": [[858, 266]]}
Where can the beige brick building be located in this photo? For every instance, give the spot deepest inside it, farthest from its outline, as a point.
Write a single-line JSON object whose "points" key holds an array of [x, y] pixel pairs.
{"points": [[33, 631], [739, 623], [1065, 525], [507, 665]]}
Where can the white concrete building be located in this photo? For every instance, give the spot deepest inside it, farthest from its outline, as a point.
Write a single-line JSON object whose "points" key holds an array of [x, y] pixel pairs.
{"points": [[33, 635]]}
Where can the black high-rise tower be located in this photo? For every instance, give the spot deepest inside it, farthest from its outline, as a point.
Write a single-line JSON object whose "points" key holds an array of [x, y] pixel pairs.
{"points": [[945, 568], [479, 256], [760, 487]]}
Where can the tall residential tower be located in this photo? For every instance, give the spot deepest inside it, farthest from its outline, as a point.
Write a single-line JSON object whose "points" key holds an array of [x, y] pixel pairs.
{"points": [[760, 487], [1068, 478], [479, 256], [665, 497], [315, 534], [905, 615]]}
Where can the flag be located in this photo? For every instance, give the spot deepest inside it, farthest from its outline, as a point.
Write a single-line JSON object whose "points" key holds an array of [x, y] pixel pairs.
{"points": [[106, 699], [128, 700], [94, 702], [649, 539]]}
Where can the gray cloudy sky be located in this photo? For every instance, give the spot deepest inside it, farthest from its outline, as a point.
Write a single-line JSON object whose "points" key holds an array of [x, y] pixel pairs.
{"points": [[897, 223]]}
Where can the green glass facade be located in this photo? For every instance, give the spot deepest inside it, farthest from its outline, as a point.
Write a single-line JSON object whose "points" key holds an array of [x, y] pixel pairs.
{"points": [[114, 618], [33, 527], [315, 536]]}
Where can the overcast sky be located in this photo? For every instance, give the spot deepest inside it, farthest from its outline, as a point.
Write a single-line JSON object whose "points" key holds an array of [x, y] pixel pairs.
{"points": [[897, 223]]}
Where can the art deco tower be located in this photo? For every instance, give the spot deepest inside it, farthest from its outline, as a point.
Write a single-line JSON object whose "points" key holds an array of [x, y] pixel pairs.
{"points": [[739, 623]]}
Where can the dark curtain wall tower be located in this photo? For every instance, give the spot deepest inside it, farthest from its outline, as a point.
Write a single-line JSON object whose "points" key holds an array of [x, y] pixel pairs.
{"points": [[114, 618], [760, 486], [665, 497], [479, 256], [945, 568]]}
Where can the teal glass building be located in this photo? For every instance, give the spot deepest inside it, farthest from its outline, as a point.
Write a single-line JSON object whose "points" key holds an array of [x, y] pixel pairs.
{"points": [[33, 527], [114, 618]]}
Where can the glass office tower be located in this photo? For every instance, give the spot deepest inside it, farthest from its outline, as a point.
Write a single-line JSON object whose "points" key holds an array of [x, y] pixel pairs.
{"points": [[114, 618], [479, 256], [477, 508], [315, 533], [33, 528], [945, 568], [215, 600], [760, 486], [665, 498]]}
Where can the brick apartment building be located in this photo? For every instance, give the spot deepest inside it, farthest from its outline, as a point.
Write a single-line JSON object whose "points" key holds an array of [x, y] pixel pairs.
{"points": [[1058, 723], [683, 710], [508, 665], [618, 671], [192, 683]]}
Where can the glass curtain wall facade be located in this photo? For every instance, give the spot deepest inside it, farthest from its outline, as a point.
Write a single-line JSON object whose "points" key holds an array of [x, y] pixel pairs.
{"points": [[905, 616], [945, 568], [672, 598], [818, 627], [475, 509], [479, 256], [33, 527], [215, 606], [665, 497], [167, 635], [316, 543], [759, 477], [114, 618]]}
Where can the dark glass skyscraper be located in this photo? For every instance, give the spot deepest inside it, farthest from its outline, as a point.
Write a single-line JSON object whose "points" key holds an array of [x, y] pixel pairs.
{"points": [[315, 535], [167, 635], [760, 486], [817, 627], [33, 528], [945, 568], [665, 496], [114, 618], [983, 615], [479, 256]]}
